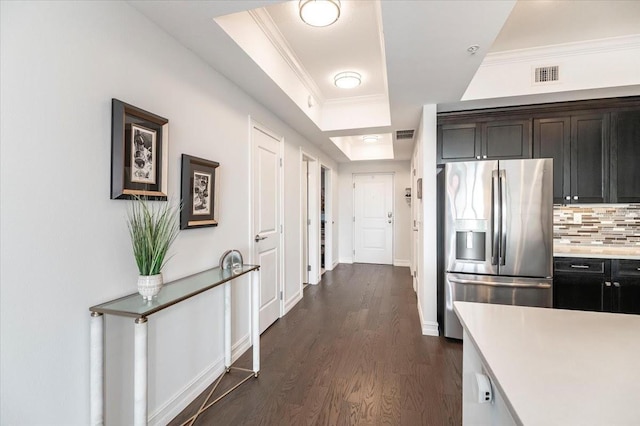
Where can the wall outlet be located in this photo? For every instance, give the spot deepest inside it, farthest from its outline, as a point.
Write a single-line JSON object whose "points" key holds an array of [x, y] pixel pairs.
{"points": [[577, 218]]}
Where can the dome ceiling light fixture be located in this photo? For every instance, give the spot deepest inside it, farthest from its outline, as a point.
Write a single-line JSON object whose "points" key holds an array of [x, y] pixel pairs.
{"points": [[319, 13], [347, 80], [370, 139]]}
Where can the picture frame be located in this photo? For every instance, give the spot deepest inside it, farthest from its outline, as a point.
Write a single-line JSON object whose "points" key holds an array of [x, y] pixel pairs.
{"points": [[199, 191], [139, 153]]}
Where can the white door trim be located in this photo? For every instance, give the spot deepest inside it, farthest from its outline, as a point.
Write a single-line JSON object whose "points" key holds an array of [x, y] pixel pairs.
{"points": [[281, 288], [314, 216], [393, 207]]}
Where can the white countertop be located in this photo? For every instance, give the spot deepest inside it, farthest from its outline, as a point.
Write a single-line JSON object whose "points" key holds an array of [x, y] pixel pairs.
{"points": [[559, 367], [597, 251]]}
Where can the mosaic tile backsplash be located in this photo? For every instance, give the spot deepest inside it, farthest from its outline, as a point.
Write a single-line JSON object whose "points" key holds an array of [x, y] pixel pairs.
{"points": [[607, 225]]}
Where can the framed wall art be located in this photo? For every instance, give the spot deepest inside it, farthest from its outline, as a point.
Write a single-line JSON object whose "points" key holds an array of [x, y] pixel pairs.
{"points": [[199, 192], [139, 153]]}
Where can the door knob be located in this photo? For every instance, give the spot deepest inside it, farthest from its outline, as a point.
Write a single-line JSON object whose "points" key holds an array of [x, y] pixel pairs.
{"points": [[259, 238]]}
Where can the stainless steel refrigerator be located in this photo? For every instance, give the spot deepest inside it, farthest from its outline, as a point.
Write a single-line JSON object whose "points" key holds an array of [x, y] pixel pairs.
{"points": [[498, 231]]}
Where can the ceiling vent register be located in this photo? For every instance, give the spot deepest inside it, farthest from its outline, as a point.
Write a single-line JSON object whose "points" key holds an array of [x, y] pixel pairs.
{"points": [[547, 74], [404, 134]]}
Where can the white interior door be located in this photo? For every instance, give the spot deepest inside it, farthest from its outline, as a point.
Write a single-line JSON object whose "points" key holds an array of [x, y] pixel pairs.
{"points": [[266, 222], [373, 218]]}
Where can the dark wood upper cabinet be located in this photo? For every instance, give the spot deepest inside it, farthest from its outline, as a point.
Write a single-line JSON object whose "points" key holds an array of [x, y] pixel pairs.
{"points": [[493, 140], [590, 158], [595, 144], [625, 157], [552, 139], [506, 139], [579, 146], [458, 142]]}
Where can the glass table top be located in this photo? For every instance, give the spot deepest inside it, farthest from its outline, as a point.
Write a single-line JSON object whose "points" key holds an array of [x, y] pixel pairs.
{"points": [[171, 293]]}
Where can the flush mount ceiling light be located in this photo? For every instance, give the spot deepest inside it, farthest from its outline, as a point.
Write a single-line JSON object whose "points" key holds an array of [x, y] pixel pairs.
{"points": [[347, 80], [370, 139], [319, 13]]}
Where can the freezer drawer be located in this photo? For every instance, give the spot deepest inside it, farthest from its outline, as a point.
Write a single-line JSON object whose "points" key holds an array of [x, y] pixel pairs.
{"points": [[492, 289]]}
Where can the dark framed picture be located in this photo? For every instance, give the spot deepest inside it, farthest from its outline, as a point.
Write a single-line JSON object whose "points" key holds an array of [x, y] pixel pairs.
{"points": [[139, 153], [199, 192]]}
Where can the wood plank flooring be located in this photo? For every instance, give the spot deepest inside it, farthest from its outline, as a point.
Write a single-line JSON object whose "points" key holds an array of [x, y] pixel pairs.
{"points": [[350, 353]]}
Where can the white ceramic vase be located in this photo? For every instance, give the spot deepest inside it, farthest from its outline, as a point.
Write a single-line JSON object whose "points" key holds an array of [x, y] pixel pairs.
{"points": [[149, 285]]}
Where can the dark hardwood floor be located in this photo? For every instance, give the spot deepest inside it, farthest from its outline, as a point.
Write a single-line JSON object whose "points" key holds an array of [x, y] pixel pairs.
{"points": [[350, 353]]}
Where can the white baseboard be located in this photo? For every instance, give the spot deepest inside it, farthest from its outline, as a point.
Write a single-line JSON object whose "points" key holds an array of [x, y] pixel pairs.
{"points": [[401, 262], [170, 409], [429, 328], [346, 260], [289, 304], [334, 264], [240, 347]]}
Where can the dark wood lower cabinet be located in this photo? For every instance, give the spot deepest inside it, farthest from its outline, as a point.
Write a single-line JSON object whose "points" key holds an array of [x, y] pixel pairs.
{"points": [[576, 292], [626, 286], [597, 285]]}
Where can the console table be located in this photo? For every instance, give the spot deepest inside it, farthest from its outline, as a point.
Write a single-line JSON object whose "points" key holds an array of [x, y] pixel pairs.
{"points": [[135, 306]]}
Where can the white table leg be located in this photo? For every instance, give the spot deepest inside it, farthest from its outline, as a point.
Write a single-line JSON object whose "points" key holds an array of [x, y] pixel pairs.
{"points": [[96, 373], [255, 320], [227, 325], [140, 373]]}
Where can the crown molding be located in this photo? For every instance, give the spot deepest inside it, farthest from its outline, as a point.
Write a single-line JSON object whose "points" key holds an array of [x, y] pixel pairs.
{"points": [[544, 53], [357, 100], [275, 37]]}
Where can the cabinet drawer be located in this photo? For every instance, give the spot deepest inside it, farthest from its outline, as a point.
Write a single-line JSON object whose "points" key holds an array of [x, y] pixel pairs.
{"points": [[626, 268], [582, 266]]}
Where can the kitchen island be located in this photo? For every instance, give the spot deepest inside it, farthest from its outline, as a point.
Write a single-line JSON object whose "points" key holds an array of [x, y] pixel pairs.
{"points": [[550, 366]]}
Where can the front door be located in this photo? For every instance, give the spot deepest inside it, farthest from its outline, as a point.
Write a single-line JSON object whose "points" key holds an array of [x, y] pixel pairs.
{"points": [[373, 218], [266, 221]]}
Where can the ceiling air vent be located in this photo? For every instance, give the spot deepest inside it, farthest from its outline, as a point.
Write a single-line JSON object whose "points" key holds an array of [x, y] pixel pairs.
{"points": [[547, 74], [404, 134]]}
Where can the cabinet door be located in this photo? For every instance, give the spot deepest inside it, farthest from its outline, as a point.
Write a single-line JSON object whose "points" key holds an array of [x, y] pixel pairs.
{"points": [[625, 157], [626, 282], [628, 296], [590, 158], [551, 139], [506, 139], [578, 291], [458, 142]]}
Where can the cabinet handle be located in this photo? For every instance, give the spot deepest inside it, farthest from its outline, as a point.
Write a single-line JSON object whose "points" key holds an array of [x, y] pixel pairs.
{"points": [[484, 156], [575, 197], [615, 284], [568, 197], [607, 283], [477, 157], [580, 266]]}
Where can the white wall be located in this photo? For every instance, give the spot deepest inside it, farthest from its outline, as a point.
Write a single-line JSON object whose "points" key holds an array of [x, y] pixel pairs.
{"points": [[510, 73], [402, 224], [64, 243], [426, 256]]}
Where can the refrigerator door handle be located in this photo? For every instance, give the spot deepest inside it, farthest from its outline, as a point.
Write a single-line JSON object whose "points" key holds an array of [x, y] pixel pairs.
{"points": [[536, 284], [495, 217], [503, 216]]}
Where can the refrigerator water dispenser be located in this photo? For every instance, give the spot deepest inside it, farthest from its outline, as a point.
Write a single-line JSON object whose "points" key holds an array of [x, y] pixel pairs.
{"points": [[470, 245]]}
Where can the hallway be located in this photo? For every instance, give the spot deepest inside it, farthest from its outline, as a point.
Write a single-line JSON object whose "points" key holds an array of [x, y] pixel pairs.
{"points": [[350, 353]]}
